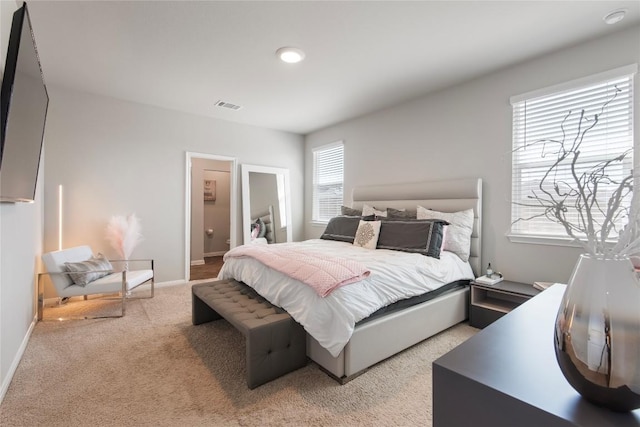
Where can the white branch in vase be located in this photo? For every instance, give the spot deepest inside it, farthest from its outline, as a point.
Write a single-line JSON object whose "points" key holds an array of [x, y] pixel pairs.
{"points": [[578, 201]]}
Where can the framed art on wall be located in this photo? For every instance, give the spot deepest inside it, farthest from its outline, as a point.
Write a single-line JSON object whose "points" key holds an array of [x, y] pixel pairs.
{"points": [[209, 190]]}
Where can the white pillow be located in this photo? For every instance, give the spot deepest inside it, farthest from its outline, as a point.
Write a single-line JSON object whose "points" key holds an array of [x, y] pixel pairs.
{"points": [[367, 234], [370, 210], [458, 236]]}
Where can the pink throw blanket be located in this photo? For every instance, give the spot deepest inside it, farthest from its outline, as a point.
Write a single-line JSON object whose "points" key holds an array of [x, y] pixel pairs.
{"points": [[323, 273]]}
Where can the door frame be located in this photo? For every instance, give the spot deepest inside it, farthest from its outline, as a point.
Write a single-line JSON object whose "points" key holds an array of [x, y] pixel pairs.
{"points": [[187, 198]]}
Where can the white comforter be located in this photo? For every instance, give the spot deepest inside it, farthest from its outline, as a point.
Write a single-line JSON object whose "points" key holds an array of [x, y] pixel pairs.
{"points": [[331, 320]]}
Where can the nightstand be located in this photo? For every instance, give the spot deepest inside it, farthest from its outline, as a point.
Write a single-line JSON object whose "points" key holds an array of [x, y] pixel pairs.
{"points": [[488, 303]]}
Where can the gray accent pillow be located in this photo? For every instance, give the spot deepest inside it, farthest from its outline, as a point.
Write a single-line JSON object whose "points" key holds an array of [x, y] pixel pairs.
{"points": [[350, 211], [87, 271], [400, 213], [416, 236], [343, 228]]}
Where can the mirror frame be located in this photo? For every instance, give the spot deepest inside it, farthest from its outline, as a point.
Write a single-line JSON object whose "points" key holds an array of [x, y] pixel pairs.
{"points": [[246, 198]]}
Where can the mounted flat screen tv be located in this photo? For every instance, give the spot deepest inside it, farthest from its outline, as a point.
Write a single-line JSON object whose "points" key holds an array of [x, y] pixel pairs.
{"points": [[24, 101]]}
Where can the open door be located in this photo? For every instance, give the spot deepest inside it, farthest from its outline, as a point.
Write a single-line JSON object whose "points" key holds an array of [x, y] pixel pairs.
{"points": [[210, 213]]}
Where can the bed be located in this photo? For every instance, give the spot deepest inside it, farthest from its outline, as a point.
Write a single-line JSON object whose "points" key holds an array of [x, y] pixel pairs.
{"points": [[379, 336]]}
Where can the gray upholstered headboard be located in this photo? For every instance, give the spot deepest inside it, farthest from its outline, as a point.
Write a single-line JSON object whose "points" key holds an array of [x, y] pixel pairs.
{"points": [[444, 196]]}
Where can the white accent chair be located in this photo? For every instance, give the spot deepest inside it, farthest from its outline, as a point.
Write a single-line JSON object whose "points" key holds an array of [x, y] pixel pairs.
{"points": [[115, 282]]}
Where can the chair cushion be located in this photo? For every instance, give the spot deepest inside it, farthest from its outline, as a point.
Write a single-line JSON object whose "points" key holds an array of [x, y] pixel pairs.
{"points": [[109, 284], [134, 279], [87, 271]]}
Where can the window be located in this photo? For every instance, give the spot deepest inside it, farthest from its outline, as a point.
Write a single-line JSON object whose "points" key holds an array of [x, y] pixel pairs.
{"points": [[543, 115], [328, 177]]}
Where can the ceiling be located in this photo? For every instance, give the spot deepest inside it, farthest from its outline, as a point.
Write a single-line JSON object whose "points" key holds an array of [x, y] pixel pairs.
{"points": [[361, 56]]}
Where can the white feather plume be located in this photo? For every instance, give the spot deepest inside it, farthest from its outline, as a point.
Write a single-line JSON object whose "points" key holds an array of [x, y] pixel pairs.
{"points": [[123, 233]]}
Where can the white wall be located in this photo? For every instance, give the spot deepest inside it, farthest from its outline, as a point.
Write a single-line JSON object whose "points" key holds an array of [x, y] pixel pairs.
{"points": [[465, 131], [116, 157], [21, 232]]}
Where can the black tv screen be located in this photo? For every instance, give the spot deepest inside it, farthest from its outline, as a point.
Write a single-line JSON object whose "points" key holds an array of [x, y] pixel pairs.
{"points": [[24, 103]]}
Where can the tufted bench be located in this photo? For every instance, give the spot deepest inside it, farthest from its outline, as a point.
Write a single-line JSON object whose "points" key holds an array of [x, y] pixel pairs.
{"points": [[276, 344]]}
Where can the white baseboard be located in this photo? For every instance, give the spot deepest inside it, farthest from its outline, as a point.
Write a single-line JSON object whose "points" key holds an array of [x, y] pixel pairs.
{"points": [[218, 253], [170, 283], [17, 359], [207, 254]]}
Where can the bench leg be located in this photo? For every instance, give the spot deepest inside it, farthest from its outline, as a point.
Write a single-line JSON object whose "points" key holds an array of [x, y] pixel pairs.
{"points": [[201, 312], [274, 350]]}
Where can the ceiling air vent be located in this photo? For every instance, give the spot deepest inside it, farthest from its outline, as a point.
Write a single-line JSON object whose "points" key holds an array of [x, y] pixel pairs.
{"points": [[228, 105]]}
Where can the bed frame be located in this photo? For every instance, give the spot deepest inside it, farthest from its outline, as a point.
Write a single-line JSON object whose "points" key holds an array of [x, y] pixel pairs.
{"points": [[381, 338]]}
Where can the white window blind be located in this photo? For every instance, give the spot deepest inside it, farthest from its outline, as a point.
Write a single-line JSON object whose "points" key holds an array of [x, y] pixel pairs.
{"points": [[328, 176], [544, 117]]}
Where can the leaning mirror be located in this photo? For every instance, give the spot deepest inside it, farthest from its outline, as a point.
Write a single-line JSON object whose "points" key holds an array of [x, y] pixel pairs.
{"points": [[266, 209]]}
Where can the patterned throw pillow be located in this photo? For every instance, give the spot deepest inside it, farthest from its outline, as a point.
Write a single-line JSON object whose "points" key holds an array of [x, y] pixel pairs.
{"points": [[87, 271], [367, 234], [458, 235]]}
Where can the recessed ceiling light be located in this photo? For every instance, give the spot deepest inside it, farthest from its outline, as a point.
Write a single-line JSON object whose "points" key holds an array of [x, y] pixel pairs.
{"points": [[290, 55], [615, 16]]}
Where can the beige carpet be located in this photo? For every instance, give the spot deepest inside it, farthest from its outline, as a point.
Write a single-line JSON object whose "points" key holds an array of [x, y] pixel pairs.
{"points": [[153, 368]]}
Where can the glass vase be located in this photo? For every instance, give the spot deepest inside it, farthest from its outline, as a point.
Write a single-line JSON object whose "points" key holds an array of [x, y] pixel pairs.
{"points": [[597, 332]]}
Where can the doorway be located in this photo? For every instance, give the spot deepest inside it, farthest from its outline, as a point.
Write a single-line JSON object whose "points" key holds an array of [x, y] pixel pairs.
{"points": [[207, 270], [210, 213]]}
